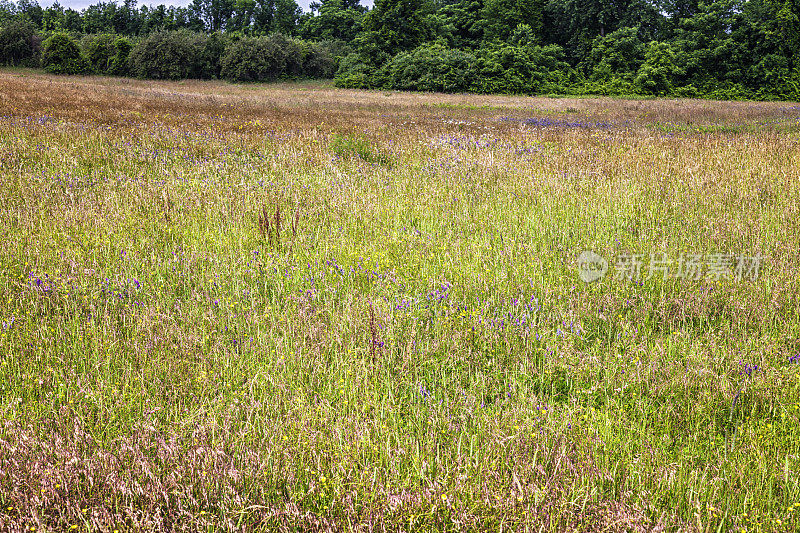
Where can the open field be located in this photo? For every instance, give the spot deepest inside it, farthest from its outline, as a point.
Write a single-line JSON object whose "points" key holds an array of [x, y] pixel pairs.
{"points": [[261, 307]]}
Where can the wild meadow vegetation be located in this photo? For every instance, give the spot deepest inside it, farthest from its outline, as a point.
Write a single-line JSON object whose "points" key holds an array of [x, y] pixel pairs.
{"points": [[294, 307]]}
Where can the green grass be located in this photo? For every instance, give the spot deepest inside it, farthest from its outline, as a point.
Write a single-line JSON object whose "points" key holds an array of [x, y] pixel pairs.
{"points": [[414, 348]]}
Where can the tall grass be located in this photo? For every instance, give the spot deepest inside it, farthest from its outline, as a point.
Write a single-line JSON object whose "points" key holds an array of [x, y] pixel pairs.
{"points": [[288, 307]]}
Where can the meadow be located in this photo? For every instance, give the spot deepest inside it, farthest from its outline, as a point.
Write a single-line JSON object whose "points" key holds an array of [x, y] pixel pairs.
{"points": [[299, 308]]}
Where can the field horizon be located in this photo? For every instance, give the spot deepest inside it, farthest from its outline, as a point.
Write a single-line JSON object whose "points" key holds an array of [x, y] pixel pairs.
{"points": [[289, 307]]}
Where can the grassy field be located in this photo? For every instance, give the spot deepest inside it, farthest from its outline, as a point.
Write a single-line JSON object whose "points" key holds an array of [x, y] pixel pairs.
{"points": [[291, 307]]}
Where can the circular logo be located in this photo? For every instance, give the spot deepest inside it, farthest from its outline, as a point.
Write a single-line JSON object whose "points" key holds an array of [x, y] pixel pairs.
{"points": [[591, 266]]}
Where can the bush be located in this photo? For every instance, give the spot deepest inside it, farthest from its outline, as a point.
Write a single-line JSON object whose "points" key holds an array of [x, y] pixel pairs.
{"points": [[20, 44], [658, 73], [61, 55], [99, 51], [269, 58], [353, 73], [771, 77], [320, 61], [337, 50], [617, 55], [119, 63], [431, 67], [169, 55], [504, 68], [211, 57]]}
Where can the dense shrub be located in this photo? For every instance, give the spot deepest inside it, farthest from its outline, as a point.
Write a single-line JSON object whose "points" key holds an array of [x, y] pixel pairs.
{"points": [[496, 68], [62, 55], [618, 55], [336, 50], [320, 61], [253, 59], [171, 55], [20, 43], [431, 68], [504, 68], [353, 72], [272, 57], [659, 71], [209, 64], [99, 51], [119, 63]]}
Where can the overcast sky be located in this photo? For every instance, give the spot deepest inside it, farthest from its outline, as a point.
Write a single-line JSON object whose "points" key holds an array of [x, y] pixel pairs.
{"points": [[81, 4]]}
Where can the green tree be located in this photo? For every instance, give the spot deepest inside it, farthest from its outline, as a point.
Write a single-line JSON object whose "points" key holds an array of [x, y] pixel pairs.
{"points": [[168, 55], [531, 69], [119, 63], [334, 21], [501, 17], [659, 72], [99, 51], [214, 13], [53, 18], [706, 48], [7, 10], [31, 10], [617, 55], [431, 67], [61, 55], [19, 43], [574, 24], [394, 26]]}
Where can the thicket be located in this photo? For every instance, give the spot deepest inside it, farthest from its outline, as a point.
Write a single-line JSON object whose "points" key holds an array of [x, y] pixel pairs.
{"points": [[719, 49], [275, 56], [61, 55], [20, 43]]}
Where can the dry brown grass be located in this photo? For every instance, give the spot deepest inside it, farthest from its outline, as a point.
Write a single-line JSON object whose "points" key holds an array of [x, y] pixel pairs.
{"points": [[305, 106]]}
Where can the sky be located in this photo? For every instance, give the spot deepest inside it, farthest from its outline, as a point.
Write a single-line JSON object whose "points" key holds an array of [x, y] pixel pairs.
{"points": [[81, 4]]}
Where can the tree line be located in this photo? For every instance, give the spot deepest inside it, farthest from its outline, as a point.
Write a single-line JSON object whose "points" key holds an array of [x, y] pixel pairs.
{"points": [[721, 49]]}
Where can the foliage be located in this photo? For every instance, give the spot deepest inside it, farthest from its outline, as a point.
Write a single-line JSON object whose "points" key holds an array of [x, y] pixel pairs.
{"points": [[531, 69], [62, 55], [100, 50], [19, 43], [394, 26], [119, 63], [169, 55], [431, 67], [354, 72], [275, 56], [659, 71], [349, 146], [617, 55], [334, 21]]}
